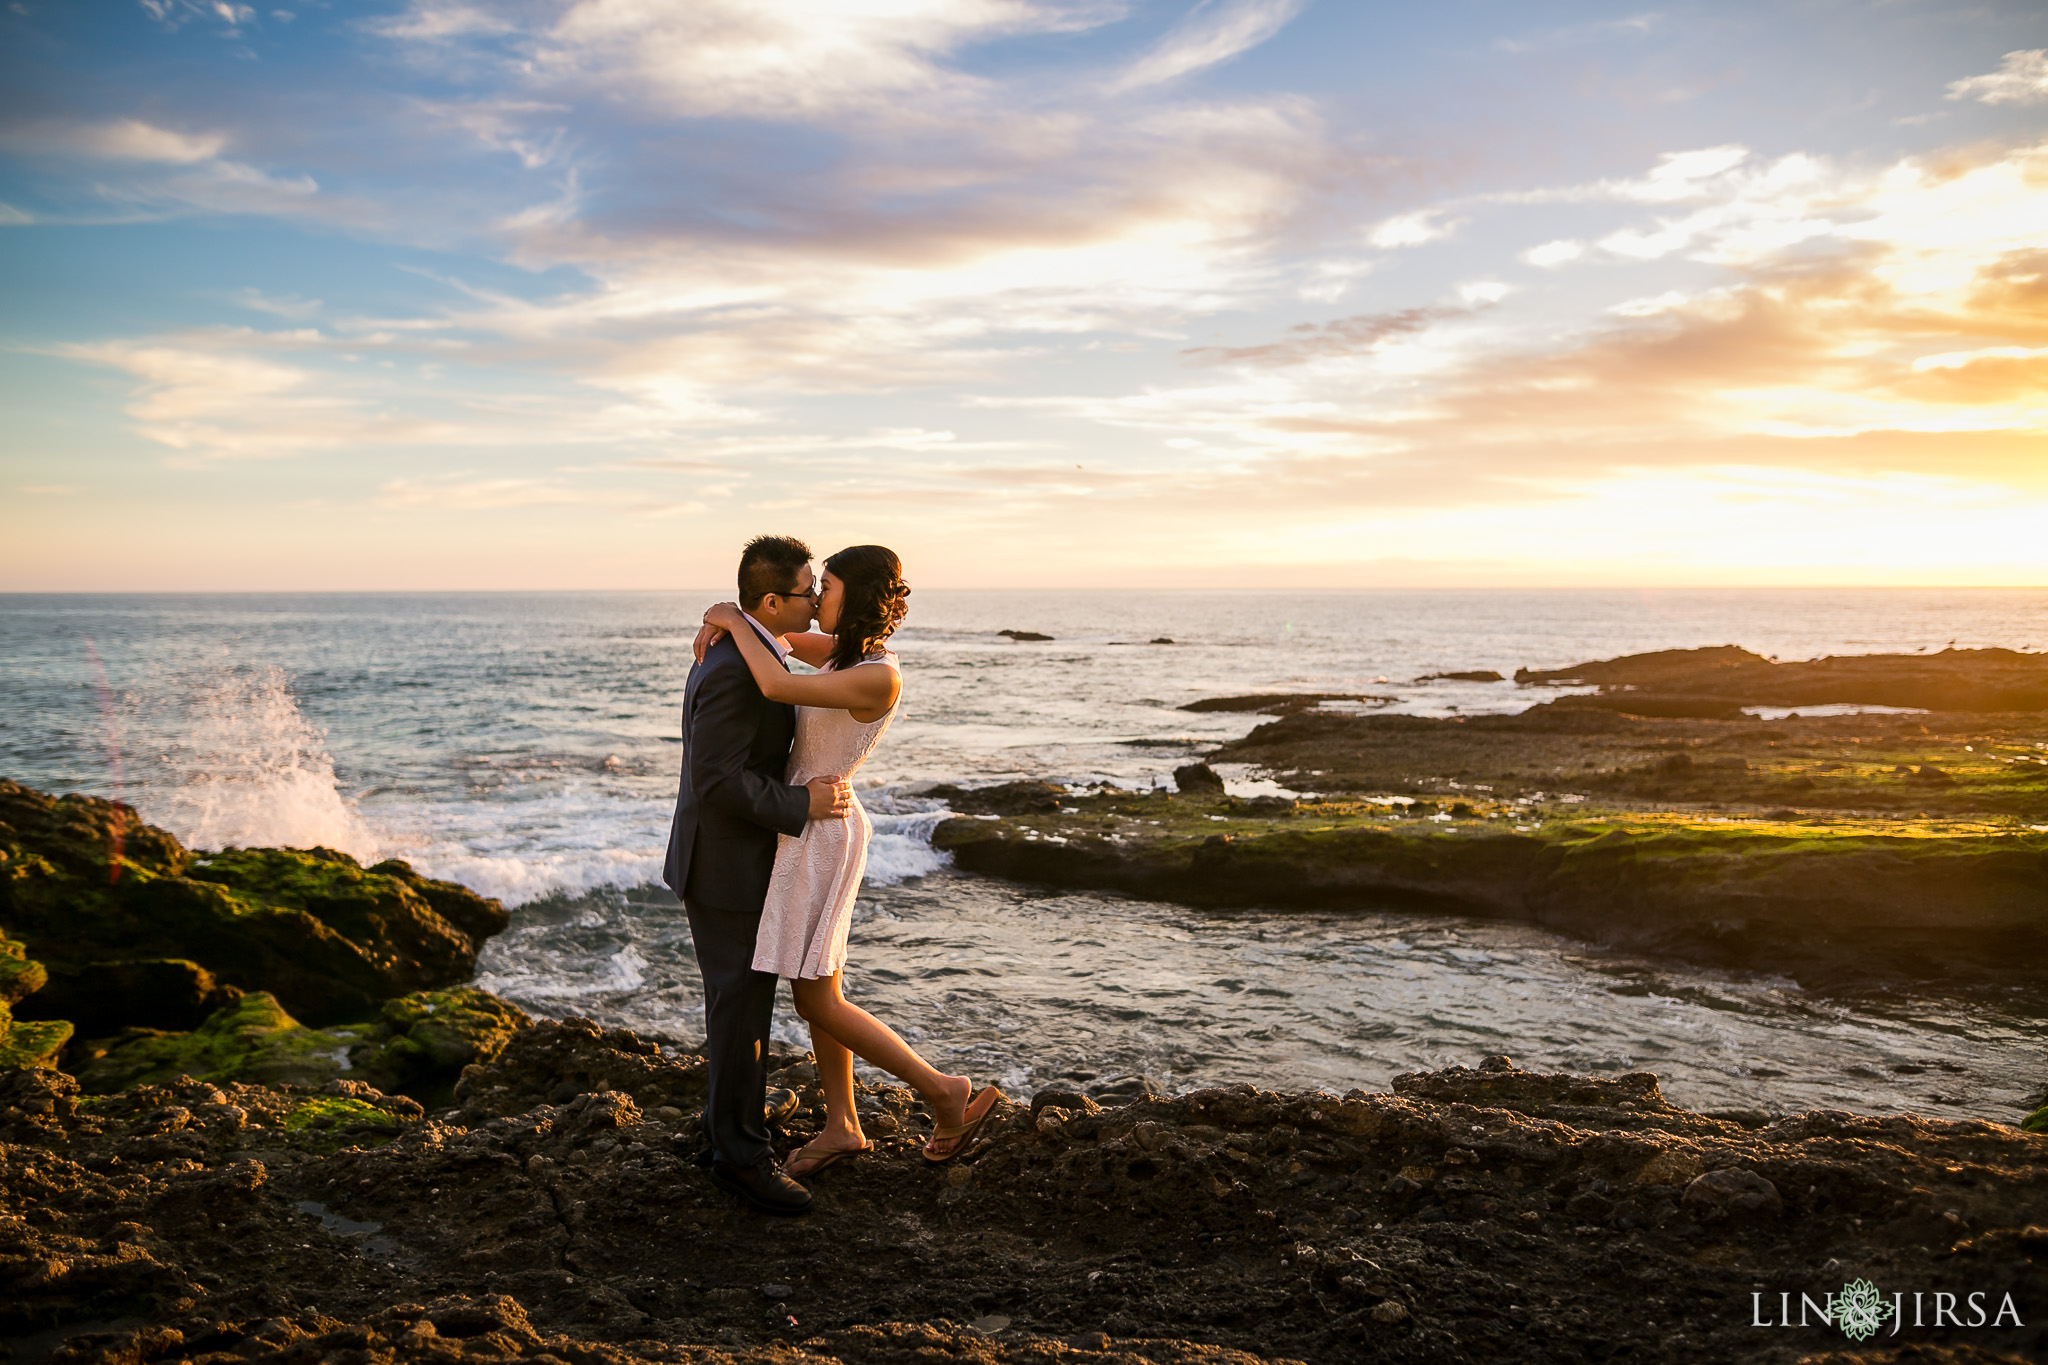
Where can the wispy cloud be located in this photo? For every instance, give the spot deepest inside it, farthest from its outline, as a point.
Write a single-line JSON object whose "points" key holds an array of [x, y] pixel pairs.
{"points": [[469, 492], [1575, 35], [1413, 229], [1215, 32], [124, 139], [996, 269], [227, 17], [775, 59], [2022, 79], [1311, 341]]}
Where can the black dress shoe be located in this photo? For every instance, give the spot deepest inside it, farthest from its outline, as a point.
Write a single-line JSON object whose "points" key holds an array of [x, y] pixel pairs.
{"points": [[763, 1185], [777, 1106]]}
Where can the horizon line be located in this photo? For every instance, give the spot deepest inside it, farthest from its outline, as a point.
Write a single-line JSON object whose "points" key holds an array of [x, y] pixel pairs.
{"points": [[1180, 590]]}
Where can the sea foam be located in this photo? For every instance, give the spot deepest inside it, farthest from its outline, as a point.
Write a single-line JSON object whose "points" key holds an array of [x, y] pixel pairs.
{"points": [[572, 841], [902, 844], [232, 762]]}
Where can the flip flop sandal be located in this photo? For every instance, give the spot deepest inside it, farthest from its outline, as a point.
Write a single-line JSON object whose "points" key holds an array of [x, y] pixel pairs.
{"points": [[821, 1158], [962, 1136]]}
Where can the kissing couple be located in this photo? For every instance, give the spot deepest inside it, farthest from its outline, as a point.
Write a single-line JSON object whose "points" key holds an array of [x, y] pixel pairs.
{"points": [[768, 846]]}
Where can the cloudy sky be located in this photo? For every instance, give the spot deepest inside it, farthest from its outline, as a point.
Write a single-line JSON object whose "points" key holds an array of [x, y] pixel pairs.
{"points": [[580, 293]]}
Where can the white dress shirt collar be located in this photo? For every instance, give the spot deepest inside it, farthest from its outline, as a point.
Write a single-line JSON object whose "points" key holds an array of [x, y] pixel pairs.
{"points": [[774, 643]]}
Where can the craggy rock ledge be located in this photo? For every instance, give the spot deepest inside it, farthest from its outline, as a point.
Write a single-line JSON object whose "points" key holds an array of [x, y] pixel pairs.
{"points": [[127, 957], [1472, 1215], [1823, 904]]}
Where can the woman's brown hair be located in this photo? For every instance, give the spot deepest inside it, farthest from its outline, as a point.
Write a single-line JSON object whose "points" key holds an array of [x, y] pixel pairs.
{"points": [[871, 605]]}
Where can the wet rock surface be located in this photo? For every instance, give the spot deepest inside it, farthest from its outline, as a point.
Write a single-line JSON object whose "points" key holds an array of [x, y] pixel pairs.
{"points": [[1842, 905], [1474, 1214], [135, 930], [1278, 703], [139, 961], [1952, 680], [1849, 852], [420, 1041]]}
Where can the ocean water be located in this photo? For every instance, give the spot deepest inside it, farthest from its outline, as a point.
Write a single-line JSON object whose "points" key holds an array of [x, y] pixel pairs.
{"points": [[527, 744]]}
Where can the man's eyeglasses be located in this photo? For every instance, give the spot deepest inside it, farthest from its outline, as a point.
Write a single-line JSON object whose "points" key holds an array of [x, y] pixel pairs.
{"points": [[810, 592]]}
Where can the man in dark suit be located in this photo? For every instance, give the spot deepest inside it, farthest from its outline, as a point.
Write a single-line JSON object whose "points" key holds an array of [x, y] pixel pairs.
{"points": [[721, 849]]}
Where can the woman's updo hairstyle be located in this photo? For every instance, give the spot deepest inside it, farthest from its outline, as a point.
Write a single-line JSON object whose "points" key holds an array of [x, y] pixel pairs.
{"points": [[871, 605]]}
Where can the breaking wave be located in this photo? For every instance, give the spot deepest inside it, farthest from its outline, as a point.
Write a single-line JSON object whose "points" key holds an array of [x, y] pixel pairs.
{"points": [[232, 762]]}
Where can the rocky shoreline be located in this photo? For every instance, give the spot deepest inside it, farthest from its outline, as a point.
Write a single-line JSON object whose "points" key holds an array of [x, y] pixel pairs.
{"points": [[1831, 906], [127, 957], [1470, 1215], [1843, 850], [249, 1110]]}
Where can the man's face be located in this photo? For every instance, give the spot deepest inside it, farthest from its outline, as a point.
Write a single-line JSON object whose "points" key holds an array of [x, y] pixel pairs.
{"points": [[785, 612]]}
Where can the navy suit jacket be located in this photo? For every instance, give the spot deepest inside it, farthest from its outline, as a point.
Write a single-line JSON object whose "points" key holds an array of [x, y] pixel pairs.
{"points": [[732, 801]]}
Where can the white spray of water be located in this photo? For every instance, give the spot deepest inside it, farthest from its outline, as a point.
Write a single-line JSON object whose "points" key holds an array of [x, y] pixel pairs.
{"points": [[235, 764], [902, 844], [573, 841]]}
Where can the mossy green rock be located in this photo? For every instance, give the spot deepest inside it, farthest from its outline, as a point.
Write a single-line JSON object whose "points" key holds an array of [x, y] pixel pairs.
{"points": [[84, 883], [30, 1043], [19, 977], [418, 1039], [326, 1123], [439, 1032], [106, 997], [253, 1040], [1818, 903], [25, 1042]]}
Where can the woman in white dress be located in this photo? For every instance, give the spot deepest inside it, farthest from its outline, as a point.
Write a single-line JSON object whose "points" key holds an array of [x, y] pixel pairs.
{"points": [[842, 713]]}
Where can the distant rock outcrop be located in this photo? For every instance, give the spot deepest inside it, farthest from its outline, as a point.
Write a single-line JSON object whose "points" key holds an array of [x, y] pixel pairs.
{"points": [[1953, 680], [1278, 703]]}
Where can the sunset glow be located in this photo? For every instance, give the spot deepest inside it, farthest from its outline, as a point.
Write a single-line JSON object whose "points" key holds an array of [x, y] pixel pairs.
{"points": [[580, 293]]}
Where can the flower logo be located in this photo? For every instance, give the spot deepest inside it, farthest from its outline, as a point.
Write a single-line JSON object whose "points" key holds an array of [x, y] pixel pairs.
{"points": [[1860, 1310]]}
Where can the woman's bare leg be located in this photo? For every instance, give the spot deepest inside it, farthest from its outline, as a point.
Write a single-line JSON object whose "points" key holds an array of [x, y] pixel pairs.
{"points": [[835, 1078], [855, 1030]]}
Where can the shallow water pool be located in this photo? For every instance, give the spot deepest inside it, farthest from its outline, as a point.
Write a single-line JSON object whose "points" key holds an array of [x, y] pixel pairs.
{"points": [[1031, 988]]}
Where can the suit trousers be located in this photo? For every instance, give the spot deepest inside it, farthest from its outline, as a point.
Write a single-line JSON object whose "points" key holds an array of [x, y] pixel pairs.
{"points": [[739, 1004]]}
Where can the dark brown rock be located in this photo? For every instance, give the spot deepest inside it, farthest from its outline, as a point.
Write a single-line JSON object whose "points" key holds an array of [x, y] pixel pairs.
{"points": [[1732, 1193], [1007, 798], [1475, 1214], [1952, 680], [89, 884]]}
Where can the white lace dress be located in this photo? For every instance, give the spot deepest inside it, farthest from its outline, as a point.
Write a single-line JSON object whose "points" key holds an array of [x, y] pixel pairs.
{"points": [[817, 874]]}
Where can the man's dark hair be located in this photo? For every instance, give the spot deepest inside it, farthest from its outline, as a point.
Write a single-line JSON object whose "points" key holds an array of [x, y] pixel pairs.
{"points": [[770, 564]]}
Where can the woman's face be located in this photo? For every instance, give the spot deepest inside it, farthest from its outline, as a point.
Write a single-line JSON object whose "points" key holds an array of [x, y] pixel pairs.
{"points": [[831, 594]]}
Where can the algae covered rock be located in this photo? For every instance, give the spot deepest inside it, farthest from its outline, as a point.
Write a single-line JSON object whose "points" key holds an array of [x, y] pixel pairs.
{"points": [[105, 997], [105, 902], [480, 917], [19, 977], [419, 1038], [253, 1040], [386, 911], [25, 1042], [447, 1030], [432, 1034]]}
